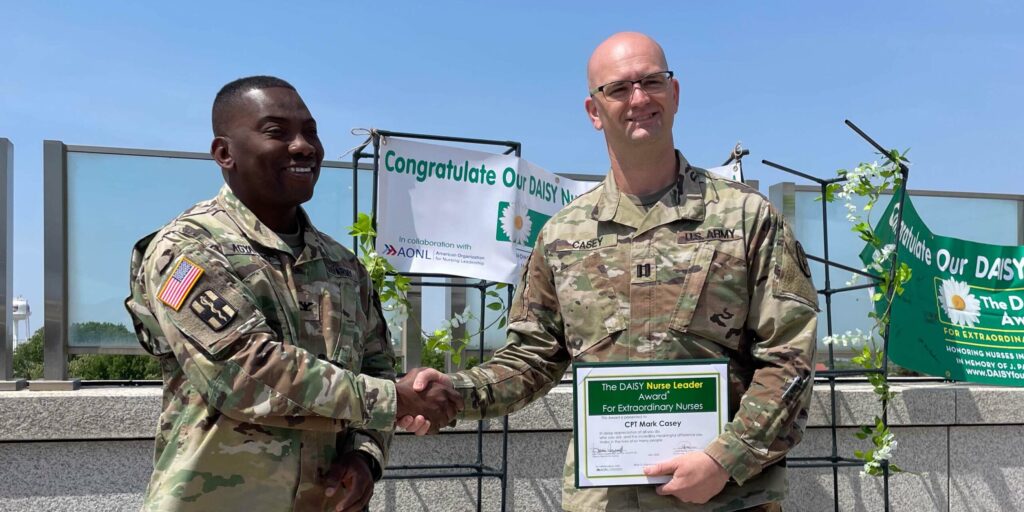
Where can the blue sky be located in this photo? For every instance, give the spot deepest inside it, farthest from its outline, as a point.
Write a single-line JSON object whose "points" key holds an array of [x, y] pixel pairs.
{"points": [[942, 78]]}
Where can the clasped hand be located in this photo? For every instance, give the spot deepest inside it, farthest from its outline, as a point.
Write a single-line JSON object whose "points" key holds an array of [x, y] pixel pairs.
{"points": [[427, 401]]}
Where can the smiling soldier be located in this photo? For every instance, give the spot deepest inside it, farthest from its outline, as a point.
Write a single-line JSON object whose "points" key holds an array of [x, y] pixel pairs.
{"points": [[276, 360], [662, 261]]}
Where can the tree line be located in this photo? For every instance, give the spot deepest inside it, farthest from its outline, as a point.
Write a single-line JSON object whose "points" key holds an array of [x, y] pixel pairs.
{"points": [[28, 357]]}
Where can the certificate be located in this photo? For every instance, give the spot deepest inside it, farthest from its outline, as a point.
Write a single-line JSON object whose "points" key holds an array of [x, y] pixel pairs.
{"points": [[636, 413]]}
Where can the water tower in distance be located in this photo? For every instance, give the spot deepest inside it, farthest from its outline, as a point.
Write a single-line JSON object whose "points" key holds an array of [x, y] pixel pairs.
{"points": [[21, 315]]}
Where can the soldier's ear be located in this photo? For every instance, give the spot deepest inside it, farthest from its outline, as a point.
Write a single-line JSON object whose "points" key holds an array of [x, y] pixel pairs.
{"points": [[590, 104], [675, 89], [220, 150]]}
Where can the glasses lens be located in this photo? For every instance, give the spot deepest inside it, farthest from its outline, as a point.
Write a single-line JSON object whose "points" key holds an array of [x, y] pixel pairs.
{"points": [[655, 83], [618, 91]]}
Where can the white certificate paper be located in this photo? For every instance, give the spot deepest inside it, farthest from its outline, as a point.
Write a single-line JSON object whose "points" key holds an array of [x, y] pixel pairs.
{"points": [[633, 414]]}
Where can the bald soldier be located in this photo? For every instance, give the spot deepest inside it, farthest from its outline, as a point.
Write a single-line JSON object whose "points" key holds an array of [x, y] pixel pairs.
{"points": [[277, 364], [678, 264]]}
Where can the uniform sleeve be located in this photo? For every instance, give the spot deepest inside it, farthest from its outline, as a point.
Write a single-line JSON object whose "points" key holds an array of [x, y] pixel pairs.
{"points": [[212, 324], [534, 357], [783, 321], [378, 361]]}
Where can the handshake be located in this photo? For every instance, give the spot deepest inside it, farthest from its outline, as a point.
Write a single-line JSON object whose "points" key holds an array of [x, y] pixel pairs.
{"points": [[427, 401]]}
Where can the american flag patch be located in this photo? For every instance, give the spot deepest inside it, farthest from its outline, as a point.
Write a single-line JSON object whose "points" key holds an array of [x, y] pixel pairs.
{"points": [[184, 276]]}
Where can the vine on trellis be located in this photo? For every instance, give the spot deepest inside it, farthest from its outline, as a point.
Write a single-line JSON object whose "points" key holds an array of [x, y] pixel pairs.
{"points": [[870, 181], [393, 290]]}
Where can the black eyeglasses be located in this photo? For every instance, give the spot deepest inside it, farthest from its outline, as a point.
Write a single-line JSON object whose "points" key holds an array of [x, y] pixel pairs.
{"points": [[622, 90]]}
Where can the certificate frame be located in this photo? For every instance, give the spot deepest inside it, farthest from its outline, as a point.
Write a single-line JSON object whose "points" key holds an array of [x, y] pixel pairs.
{"points": [[591, 384]]}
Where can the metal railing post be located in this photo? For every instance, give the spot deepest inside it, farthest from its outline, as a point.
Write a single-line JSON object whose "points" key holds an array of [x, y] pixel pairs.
{"points": [[412, 342], [6, 274], [55, 261]]}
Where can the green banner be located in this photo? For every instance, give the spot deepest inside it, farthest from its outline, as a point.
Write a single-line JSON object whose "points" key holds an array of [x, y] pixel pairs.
{"points": [[651, 395], [961, 316]]}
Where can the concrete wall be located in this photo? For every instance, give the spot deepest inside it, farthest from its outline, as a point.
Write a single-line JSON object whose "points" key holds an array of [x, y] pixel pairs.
{"points": [[91, 450]]}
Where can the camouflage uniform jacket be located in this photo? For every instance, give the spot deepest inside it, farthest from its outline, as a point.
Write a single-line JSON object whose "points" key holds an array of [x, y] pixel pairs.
{"points": [[273, 366], [710, 271]]}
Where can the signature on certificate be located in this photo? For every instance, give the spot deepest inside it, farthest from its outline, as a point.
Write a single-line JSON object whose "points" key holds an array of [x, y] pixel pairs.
{"points": [[608, 451]]}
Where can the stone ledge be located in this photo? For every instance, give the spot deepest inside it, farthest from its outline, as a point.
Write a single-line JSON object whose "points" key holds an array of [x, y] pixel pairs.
{"points": [[926, 403], [94, 413], [119, 413], [13, 385], [955, 469], [55, 385]]}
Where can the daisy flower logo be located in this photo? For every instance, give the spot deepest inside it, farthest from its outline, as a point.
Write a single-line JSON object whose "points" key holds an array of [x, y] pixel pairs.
{"points": [[960, 305], [514, 223]]}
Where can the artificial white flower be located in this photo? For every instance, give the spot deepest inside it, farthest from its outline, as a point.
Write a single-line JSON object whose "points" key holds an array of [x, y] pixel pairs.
{"points": [[888, 445], [880, 257], [847, 339]]}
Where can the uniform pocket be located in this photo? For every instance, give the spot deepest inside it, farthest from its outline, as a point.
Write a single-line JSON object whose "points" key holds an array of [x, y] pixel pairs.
{"points": [[715, 295], [593, 292], [270, 293], [342, 323]]}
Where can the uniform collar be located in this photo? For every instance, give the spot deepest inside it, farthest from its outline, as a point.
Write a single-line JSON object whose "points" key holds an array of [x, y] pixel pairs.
{"points": [[684, 202], [258, 232]]}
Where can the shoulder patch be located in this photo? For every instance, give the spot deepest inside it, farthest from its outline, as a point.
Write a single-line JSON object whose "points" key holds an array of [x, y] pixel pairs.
{"points": [[792, 273], [801, 259], [213, 310], [179, 283]]}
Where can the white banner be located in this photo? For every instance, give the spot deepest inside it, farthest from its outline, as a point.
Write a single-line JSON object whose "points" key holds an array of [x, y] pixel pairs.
{"points": [[733, 171], [447, 210]]}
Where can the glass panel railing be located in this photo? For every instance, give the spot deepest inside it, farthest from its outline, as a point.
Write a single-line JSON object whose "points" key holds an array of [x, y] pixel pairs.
{"points": [[113, 200]]}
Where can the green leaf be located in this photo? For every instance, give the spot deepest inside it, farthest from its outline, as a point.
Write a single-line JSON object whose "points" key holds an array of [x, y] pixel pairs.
{"points": [[363, 226], [494, 306], [501, 323], [402, 282]]}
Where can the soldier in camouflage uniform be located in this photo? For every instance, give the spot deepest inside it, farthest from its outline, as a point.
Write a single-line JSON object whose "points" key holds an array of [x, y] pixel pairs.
{"points": [[277, 366], [682, 265]]}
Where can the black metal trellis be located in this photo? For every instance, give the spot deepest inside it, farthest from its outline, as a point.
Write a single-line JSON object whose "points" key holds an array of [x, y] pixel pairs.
{"points": [[834, 460], [476, 469]]}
